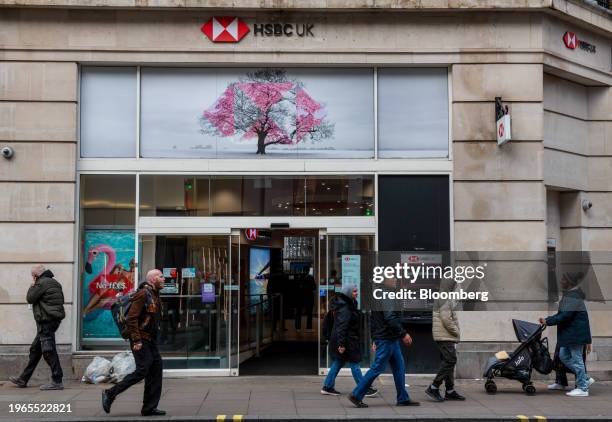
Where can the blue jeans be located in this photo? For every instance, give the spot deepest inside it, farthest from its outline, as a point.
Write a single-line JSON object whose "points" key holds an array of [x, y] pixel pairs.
{"points": [[334, 369], [387, 351], [571, 356]]}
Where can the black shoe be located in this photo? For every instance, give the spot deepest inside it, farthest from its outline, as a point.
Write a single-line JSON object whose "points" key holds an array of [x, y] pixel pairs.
{"points": [[107, 401], [434, 394], [356, 402], [408, 403], [327, 391], [20, 383], [154, 412], [453, 396], [372, 392]]}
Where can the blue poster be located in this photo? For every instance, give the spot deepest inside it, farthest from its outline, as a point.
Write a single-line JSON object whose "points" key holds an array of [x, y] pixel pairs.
{"points": [[351, 273], [259, 271], [109, 272]]}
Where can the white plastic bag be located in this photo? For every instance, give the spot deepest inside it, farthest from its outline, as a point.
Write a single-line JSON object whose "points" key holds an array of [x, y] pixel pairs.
{"points": [[97, 371], [122, 365]]}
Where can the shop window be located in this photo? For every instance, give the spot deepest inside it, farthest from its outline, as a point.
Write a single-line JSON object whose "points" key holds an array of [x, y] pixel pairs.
{"points": [[257, 196], [340, 196], [174, 195], [107, 250], [257, 113], [108, 112], [413, 113]]}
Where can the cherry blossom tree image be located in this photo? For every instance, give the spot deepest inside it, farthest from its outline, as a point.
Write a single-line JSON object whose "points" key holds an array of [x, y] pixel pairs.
{"points": [[268, 106]]}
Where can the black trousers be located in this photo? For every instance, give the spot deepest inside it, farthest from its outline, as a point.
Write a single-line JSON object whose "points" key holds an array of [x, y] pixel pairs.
{"points": [[148, 367], [44, 346], [448, 360], [304, 307]]}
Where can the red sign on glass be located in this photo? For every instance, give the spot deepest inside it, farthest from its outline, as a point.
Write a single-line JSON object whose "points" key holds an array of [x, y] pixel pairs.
{"points": [[250, 234]]}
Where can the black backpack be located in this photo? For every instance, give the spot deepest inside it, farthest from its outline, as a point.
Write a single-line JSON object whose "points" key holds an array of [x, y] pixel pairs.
{"points": [[120, 309]]}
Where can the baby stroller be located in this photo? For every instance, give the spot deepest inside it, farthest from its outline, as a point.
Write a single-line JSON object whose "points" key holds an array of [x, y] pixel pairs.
{"points": [[531, 354]]}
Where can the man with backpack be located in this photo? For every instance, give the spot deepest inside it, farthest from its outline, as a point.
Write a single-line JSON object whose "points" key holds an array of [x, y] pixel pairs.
{"points": [[47, 300], [143, 319]]}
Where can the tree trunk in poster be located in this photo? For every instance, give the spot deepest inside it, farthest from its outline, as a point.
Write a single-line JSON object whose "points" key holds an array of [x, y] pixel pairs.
{"points": [[261, 146]]}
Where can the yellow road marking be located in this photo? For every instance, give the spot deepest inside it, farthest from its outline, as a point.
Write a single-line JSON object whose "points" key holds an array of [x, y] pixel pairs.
{"points": [[237, 418], [540, 418], [220, 418], [522, 418]]}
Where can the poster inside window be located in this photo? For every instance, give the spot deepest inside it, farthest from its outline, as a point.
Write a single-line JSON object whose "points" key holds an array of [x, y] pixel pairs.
{"points": [[108, 271]]}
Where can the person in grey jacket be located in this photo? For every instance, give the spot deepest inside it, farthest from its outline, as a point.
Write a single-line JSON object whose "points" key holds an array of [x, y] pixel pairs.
{"points": [[446, 334], [47, 300]]}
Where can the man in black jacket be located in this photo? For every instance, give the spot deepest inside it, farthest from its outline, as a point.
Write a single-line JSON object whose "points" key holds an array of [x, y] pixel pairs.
{"points": [[387, 332], [47, 300]]}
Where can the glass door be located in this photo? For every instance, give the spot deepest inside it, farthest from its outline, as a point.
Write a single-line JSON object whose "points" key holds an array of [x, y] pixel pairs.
{"points": [[196, 299]]}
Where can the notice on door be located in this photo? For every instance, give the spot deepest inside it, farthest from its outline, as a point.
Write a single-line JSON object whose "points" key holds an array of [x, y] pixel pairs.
{"points": [[351, 271]]}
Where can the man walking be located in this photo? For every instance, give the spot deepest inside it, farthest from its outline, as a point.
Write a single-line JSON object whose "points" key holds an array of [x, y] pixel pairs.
{"points": [[143, 322], [445, 330], [47, 300], [387, 332]]}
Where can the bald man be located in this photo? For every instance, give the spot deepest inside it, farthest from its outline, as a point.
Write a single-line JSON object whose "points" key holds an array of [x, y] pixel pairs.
{"points": [[143, 323]]}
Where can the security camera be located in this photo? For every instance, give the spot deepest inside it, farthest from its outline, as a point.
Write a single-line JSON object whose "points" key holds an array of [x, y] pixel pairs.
{"points": [[8, 152], [586, 204]]}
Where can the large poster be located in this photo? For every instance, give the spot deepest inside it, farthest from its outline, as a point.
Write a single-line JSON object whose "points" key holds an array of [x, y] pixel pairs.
{"points": [[109, 272], [259, 272]]}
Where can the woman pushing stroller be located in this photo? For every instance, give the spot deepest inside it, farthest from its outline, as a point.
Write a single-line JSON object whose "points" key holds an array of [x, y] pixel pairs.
{"points": [[573, 331]]}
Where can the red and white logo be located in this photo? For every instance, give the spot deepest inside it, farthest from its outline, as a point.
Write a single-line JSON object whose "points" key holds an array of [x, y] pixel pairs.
{"points": [[225, 29], [571, 40], [250, 234], [500, 130]]}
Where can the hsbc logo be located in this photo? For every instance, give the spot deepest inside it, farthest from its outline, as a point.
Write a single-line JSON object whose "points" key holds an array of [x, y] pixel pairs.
{"points": [[571, 41], [225, 29], [231, 29]]}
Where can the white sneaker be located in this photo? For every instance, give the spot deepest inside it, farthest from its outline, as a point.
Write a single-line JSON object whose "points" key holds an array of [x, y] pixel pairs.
{"points": [[591, 381], [577, 392], [556, 386]]}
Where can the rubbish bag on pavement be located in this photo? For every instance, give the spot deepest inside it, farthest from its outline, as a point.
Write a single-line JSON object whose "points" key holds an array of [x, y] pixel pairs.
{"points": [[97, 371], [122, 365]]}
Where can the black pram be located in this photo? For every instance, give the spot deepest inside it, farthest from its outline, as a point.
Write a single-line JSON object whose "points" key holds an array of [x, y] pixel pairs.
{"points": [[531, 354]]}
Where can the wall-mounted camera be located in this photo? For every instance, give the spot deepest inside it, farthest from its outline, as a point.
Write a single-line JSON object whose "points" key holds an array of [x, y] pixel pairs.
{"points": [[586, 204], [7, 152]]}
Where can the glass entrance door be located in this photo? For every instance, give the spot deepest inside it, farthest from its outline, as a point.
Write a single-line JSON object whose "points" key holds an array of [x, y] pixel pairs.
{"points": [[196, 300]]}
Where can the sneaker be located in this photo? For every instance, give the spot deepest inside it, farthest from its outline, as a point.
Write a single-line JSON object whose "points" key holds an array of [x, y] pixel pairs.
{"points": [[577, 392], [52, 386], [408, 403], [20, 383], [107, 401], [453, 395], [434, 394], [558, 387], [372, 392], [327, 391], [356, 403]]}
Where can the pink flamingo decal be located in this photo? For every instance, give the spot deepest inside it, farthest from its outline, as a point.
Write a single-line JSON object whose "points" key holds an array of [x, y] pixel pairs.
{"points": [[108, 283]]}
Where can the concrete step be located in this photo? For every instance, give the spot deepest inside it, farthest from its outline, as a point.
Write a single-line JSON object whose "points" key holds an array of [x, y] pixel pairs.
{"points": [[601, 370]]}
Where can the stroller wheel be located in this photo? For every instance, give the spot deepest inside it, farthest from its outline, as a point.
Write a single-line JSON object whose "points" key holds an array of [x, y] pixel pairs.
{"points": [[490, 387], [529, 389]]}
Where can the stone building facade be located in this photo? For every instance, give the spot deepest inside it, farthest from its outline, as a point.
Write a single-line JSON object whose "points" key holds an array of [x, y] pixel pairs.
{"points": [[523, 196]]}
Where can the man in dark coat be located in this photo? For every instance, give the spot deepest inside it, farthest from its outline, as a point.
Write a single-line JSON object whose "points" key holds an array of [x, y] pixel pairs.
{"points": [[47, 300], [573, 331], [143, 322], [345, 340], [387, 333]]}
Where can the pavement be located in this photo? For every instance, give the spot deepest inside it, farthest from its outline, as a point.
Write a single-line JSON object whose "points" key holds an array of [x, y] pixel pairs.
{"points": [[291, 398]]}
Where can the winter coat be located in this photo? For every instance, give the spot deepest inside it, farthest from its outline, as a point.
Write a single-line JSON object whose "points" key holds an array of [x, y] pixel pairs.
{"points": [[445, 325], [46, 298], [572, 320], [144, 316], [386, 325], [345, 331]]}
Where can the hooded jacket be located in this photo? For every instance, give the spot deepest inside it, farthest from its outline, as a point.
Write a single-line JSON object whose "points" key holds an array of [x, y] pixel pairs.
{"points": [[445, 325], [144, 316], [345, 331], [46, 298], [572, 320]]}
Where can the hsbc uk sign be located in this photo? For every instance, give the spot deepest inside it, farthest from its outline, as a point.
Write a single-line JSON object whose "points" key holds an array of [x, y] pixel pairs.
{"points": [[571, 41], [231, 29]]}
